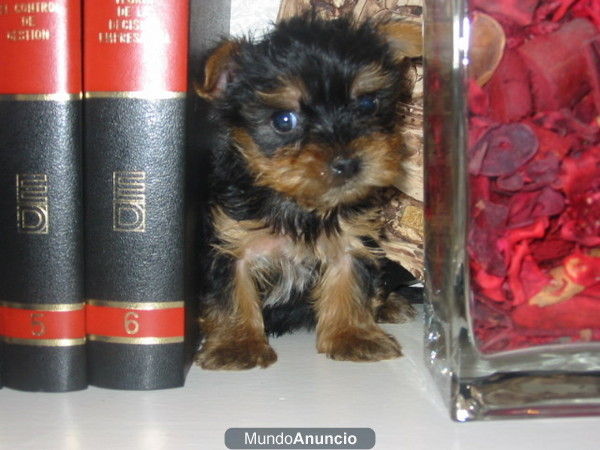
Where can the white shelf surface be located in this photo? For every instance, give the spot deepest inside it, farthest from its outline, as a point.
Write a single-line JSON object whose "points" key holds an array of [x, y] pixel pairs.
{"points": [[303, 389]]}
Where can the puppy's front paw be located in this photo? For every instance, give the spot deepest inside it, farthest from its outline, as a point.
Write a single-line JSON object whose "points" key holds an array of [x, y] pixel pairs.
{"points": [[360, 345], [236, 355], [395, 309]]}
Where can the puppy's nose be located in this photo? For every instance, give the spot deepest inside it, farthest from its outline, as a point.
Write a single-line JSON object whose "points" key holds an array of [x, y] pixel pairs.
{"points": [[345, 167]]}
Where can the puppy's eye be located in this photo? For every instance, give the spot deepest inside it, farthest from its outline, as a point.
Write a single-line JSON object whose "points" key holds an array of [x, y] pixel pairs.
{"points": [[367, 104], [284, 121]]}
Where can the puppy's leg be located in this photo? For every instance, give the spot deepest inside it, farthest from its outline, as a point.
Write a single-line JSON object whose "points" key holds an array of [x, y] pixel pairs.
{"points": [[233, 325], [346, 328], [393, 308]]}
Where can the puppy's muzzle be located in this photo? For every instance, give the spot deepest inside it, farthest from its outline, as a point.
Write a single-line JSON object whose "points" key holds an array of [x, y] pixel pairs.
{"points": [[344, 168]]}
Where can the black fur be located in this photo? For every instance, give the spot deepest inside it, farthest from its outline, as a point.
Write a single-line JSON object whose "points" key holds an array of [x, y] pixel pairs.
{"points": [[326, 55]]}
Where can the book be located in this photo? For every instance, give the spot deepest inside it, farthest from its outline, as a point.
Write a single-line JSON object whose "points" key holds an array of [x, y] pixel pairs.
{"points": [[135, 84], [41, 238]]}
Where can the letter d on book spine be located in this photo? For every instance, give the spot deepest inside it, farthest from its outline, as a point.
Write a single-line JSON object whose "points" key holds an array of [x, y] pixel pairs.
{"points": [[42, 312], [135, 82]]}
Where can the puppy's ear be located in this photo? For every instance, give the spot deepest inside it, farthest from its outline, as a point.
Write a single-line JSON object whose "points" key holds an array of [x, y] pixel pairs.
{"points": [[405, 38], [218, 71]]}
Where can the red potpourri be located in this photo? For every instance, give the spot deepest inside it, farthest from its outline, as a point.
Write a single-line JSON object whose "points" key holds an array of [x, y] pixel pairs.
{"points": [[534, 177]]}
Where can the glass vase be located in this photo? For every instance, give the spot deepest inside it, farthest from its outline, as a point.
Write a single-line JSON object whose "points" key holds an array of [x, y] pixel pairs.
{"points": [[512, 203]]}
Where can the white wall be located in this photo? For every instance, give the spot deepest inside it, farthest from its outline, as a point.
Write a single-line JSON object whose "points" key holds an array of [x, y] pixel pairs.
{"points": [[252, 16]]}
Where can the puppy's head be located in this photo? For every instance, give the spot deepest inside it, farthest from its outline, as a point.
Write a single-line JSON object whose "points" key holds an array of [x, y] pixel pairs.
{"points": [[314, 107]]}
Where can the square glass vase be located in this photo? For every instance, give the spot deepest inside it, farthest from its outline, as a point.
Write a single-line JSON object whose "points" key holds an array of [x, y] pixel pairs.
{"points": [[500, 340]]}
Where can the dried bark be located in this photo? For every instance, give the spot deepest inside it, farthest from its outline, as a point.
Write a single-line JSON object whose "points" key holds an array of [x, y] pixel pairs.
{"points": [[360, 9]]}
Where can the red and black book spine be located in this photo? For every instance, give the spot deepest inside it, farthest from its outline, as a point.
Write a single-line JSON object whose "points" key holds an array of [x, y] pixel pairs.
{"points": [[42, 309], [135, 84]]}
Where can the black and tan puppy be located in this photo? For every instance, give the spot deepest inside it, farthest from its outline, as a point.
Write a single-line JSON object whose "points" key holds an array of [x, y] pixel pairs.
{"points": [[309, 121]]}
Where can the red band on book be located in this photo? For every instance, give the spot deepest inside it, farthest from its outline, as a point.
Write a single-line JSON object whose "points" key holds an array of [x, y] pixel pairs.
{"points": [[134, 322], [36, 324], [133, 46], [40, 47]]}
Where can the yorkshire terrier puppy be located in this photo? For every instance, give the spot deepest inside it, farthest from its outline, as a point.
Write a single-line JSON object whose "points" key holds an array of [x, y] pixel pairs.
{"points": [[309, 124]]}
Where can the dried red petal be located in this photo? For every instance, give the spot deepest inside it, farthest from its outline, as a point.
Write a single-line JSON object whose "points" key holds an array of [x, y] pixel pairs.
{"points": [[533, 278], [564, 122], [480, 190], [589, 9], [581, 220], [535, 230], [488, 225], [511, 183], [509, 90], [517, 11], [490, 285], [562, 9], [581, 182], [581, 172], [487, 280], [535, 202], [565, 317], [583, 269], [540, 172], [586, 110], [592, 53], [557, 63], [503, 150], [526, 207], [483, 247], [551, 249], [518, 254], [551, 142], [477, 99]]}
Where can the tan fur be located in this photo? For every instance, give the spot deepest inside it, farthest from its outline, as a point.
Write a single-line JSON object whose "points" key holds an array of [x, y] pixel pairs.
{"points": [[288, 96], [215, 70], [304, 173], [231, 346], [346, 327], [324, 268], [248, 240], [404, 37], [237, 340], [370, 79]]}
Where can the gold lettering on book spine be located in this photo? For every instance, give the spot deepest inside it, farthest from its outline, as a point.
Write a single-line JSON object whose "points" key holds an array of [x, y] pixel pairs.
{"points": [[58, 307], [142, 306], [131, 323], [136, 340], [32, 203], [45, 342], [38, 326], [29, 15], [129, 201], [133, 22]]}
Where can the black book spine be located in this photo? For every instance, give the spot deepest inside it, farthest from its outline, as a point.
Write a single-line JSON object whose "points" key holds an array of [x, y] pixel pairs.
{"points": [[209, 24], [134, 193], [42, 316]]}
